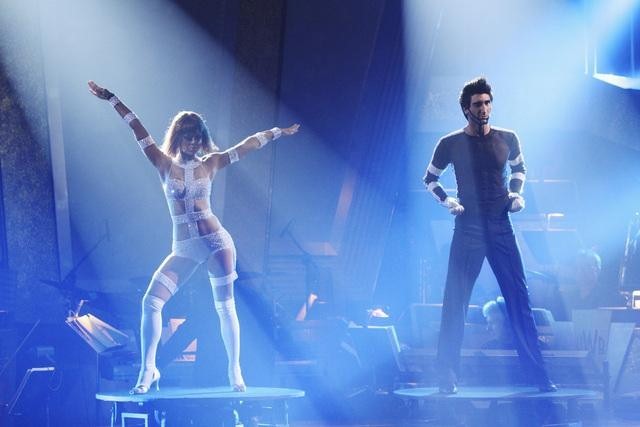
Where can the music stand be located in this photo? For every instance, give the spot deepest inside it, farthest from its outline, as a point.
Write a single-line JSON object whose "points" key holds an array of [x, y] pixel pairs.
{"points": [[32, 391], [100, 335]]}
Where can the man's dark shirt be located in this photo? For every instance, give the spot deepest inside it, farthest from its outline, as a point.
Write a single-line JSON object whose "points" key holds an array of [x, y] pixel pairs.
{"points": [[480, 166]]}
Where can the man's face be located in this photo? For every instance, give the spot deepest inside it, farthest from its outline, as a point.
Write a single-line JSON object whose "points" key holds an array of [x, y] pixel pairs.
{"points": [[480, 107]]}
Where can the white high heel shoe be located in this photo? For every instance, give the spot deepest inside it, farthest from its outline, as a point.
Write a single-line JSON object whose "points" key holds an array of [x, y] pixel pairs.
{"points": [[142, 387], [235, 379]]}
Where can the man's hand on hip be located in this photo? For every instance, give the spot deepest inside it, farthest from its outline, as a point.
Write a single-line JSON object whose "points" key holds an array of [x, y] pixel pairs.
{"points": [[517, 202], [454, 206]]}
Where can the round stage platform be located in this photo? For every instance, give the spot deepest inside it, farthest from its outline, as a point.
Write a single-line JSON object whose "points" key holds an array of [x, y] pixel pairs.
{"points": [[212, 393], [495, 406], [155, 407], [497, 393]]}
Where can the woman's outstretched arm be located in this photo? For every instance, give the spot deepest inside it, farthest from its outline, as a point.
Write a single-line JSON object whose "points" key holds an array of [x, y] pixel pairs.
{"points": [[146, 142], [249, 144]]}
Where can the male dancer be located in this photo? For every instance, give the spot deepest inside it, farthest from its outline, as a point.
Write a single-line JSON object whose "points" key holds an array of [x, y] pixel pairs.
{"points": [[486, 195]]}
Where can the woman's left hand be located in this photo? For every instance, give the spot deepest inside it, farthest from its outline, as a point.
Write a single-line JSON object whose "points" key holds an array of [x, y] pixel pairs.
{"points": [[291, 130], [99, 91]]}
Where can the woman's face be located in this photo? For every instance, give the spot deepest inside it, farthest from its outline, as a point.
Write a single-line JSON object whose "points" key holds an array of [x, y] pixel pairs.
{"points": [[190, 140]]}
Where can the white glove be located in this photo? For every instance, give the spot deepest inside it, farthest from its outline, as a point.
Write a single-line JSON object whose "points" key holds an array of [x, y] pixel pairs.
{"points": [[451, 203], [517, 202]]}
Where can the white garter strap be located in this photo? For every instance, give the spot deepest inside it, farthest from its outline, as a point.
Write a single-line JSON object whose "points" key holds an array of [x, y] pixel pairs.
{"points": [[164, 280], [145, 142], [222, 281]]}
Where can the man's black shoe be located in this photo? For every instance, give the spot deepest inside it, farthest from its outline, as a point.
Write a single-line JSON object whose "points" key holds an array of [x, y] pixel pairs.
{"points": [[448, 388], [547, 387]]}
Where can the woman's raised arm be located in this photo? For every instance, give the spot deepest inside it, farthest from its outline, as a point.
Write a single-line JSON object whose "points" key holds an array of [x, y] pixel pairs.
{"points": [[160, 160]]}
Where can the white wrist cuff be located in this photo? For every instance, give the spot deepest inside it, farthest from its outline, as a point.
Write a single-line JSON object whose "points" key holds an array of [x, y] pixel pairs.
{"points": [[114, 101], [129, 117], [145, 142], [277, 132]]}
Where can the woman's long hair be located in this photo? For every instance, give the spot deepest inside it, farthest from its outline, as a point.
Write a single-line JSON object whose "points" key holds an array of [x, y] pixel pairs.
{"points": [[187, 120]]}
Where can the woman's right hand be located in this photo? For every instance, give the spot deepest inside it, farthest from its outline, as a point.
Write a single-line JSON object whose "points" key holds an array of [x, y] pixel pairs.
{"points": [[291, 130], [98, 91]]}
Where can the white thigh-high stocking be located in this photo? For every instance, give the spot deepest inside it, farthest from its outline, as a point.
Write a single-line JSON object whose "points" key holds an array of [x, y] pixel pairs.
{"points": [[150, 331], [230, 330]]}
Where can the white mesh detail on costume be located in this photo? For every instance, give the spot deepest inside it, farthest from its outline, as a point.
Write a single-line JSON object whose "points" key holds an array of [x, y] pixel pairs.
{"points": [[146, 141], [277, 133], [233, 155], [262, 139], [200, 248], [189, 202], [190, 187], [164, 280], [189, 190], [192, 217]]}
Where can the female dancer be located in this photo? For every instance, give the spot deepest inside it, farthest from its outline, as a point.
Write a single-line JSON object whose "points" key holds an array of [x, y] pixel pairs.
{"points": [[198, 235]]}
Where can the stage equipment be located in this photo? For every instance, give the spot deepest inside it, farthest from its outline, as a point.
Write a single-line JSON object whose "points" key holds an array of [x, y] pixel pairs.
{"points": [[32, 396], [220, 404], [378, 350], [627, 382], [635, 300], [629, 273], [495, 406], [318, 282], [67, 286], [98, 334], [425, 326], [377, 345]]}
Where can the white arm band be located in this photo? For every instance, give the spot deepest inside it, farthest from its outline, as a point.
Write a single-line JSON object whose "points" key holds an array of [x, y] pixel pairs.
{"points": [[145, 142], [129, 117], [114, 101], [277, 132], [262, 139], [233, 155]]}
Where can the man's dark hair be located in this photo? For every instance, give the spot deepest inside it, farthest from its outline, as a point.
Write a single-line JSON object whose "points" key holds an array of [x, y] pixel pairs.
{"points": [[476, 86]]}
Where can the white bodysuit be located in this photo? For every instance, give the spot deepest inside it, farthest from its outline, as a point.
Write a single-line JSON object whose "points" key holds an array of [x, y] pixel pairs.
{"points": [[190, 190]]}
